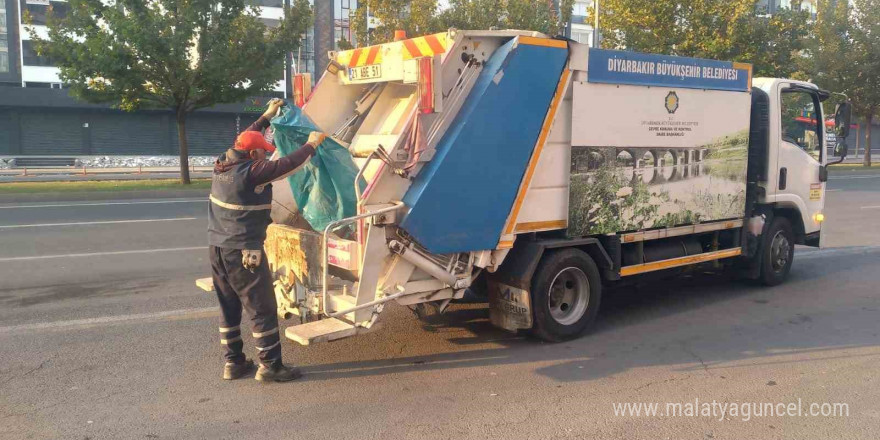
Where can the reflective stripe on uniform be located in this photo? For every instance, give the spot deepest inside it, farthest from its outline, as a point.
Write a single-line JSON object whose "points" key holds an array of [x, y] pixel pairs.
{"points": [[231, 340], [269, 347], [234, 207], [265, 333], [229, 329]]}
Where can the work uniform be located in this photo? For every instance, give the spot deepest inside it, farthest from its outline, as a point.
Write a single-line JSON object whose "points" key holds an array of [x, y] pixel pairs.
{"points": [[241, 201]]}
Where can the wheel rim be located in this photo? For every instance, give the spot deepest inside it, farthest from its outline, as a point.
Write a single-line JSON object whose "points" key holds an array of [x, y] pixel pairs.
{"points": [[779, 251], [569, 296]]}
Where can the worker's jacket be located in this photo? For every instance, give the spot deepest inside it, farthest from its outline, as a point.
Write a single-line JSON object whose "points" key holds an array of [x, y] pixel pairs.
{"points": [[239, 210]]}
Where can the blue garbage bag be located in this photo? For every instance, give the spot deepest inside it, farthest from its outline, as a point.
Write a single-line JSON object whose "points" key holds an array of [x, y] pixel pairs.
{"points": [[323, 188]]}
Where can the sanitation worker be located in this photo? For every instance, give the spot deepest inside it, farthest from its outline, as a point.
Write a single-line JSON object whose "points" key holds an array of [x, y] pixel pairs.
{"points": [[241, 200]]}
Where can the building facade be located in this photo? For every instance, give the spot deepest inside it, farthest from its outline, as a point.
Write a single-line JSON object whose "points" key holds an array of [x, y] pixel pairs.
{"points": [[581, 28], [39, 118]]}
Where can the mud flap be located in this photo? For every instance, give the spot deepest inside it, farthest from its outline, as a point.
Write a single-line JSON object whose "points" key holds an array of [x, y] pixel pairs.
{"points": [[510, 308]]}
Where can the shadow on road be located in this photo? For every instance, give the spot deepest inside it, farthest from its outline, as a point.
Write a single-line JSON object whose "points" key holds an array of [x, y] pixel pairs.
{"points": [[698, 321]]}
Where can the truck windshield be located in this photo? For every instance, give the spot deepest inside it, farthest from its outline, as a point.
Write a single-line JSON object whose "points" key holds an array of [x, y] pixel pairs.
{"points": [[799, 122]]}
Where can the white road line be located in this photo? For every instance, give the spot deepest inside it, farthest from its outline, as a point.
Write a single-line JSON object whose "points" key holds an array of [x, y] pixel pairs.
{"points": [[111, 222], [870, 207], [70, 205], [100, 254], [828, 252], [854, 177], [831, 190], [108, 319]]}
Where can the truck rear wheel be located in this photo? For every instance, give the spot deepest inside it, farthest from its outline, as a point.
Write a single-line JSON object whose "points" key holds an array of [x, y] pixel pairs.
{"points": [[777, 252], [566, 291]]}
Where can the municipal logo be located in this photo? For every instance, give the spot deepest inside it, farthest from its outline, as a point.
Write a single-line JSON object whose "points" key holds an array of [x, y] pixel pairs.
{"points": [[671, 102]]}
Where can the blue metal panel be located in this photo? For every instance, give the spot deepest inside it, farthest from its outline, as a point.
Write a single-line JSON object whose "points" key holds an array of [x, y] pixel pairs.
{"points": [[624, 67], [460, 201]]}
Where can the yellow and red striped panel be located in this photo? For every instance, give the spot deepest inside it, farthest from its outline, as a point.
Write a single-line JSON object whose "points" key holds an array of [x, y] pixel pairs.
{"points": [[365, 56], [418, 47], [426, 46]]}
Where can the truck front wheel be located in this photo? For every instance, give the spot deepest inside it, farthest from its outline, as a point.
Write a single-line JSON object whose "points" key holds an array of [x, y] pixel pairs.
{"points": [[566, 290], [777, 252]]}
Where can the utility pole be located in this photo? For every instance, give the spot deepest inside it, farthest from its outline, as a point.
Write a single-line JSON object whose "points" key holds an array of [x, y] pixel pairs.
{"points": [[596, 25], [288, 62], [324, 30]]}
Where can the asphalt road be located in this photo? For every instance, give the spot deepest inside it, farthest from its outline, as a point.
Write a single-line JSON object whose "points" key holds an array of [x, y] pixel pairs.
{"points": [[103, 335]]}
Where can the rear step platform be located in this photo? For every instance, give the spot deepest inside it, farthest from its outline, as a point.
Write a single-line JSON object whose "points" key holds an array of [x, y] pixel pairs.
{"points": [[325, 330]]}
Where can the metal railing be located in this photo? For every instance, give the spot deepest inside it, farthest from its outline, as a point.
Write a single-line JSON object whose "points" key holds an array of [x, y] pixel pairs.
{"points": [[325, 242]]}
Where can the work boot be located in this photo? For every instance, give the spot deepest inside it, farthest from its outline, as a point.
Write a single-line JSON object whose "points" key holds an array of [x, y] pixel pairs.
{"points": [[277, 372], [235, 370]]}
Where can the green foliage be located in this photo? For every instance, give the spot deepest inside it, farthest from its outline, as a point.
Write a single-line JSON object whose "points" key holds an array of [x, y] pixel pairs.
{"points": [[603, 201], [416, 17], [732, 30], [420, 17], [344, 44], [177, 54], [846, 54]]}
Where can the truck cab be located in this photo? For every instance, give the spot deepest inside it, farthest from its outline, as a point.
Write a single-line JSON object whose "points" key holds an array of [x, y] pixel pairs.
{"points": [[795, 162]]}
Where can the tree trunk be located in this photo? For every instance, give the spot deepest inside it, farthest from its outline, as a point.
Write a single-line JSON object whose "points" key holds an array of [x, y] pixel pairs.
{"points": [[868, 140], [183, 147]]}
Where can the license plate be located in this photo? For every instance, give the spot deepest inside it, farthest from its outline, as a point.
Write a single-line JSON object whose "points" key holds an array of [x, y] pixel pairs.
{"points": [[365, 72]]}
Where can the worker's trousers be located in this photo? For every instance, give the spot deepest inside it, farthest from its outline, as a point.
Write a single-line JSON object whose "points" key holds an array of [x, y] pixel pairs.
{"points": [[238, 288]]}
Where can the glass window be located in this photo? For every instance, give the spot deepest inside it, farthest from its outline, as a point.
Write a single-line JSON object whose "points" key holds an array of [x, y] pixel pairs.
{"points": [[799, 122], [30, 57], [271, 3], [39, 13]]}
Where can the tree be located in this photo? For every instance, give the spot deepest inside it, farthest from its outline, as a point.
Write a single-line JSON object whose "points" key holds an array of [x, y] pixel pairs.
{"points": [[420, 17], [182, 55], [415, 17], [734, 30], [846, 56], [529, 15]]}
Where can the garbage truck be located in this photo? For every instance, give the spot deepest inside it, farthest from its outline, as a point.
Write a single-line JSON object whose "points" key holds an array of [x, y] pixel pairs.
{"points": [[534, 172]]}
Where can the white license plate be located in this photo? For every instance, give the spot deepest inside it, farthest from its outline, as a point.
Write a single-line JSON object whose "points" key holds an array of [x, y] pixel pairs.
{"points": [[365, 72]]}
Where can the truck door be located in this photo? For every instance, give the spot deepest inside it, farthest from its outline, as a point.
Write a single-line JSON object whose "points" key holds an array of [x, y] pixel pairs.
{"points": [[801, 154]]}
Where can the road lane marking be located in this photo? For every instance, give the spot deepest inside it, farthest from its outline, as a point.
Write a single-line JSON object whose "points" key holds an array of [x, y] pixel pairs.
{"points": [[831, 190], [204, 311], [69, 205], [854, 177], [870, 207], [99, 254], [828, 252], [110, 222]]}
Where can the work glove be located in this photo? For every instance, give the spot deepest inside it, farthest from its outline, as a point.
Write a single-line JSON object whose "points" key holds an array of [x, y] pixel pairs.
{"points": [[272, 108], [316, 138], [251, 259]]}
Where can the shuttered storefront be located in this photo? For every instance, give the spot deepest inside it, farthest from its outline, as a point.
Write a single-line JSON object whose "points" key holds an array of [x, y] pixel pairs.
{"points": [[84, 133], [129, 134], [6, 133], [52, 133]]}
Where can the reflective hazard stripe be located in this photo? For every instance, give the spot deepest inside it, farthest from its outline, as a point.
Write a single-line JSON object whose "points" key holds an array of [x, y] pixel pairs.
{"points": [[269, 347], [266, 333], [231, 340], [223, 204], [229, 329]]}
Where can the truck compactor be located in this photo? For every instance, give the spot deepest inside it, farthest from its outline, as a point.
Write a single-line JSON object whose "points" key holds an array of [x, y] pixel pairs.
{"points": [[535, 170]]}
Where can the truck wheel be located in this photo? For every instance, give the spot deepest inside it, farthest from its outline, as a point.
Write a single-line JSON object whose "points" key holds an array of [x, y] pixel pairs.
{"points": [[566, 290], [777, 252]]}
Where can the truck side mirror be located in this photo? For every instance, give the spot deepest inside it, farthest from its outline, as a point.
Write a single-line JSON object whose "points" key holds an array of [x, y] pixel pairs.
{"points": [[842, 118]]}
